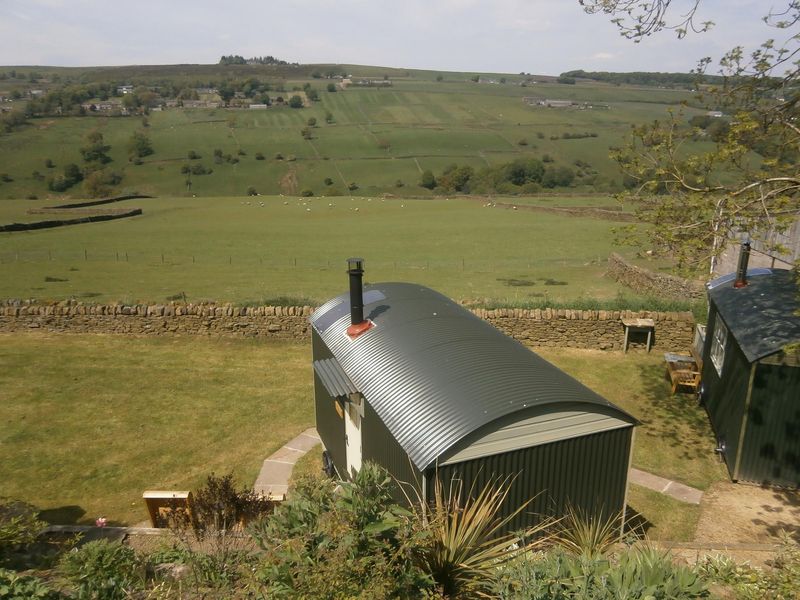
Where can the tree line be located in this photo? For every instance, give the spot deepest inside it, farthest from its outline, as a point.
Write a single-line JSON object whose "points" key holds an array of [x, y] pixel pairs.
{"points": [[520, 176], [235, 59], [689, 80]]}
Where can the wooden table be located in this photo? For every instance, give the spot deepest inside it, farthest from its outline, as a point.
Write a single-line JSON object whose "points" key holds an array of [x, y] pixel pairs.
{"points": [[639, 326]]}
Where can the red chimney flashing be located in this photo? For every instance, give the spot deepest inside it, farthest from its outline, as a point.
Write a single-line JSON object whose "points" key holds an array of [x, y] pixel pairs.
{"points": [[357, 329]]}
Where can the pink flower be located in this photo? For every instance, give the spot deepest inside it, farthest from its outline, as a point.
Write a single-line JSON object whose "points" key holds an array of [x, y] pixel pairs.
{"points": [[100, 522]]}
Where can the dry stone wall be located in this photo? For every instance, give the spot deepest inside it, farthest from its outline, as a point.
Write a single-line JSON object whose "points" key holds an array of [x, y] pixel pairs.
{"points": [[597, 329], [650, 282]]}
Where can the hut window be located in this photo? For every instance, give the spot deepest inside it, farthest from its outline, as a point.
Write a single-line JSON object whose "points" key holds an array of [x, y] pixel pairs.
{"points": [[718, 345]]}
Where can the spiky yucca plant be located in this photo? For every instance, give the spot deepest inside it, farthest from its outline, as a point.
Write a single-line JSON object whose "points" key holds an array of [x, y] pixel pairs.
{"points": [[464, 544], [587, 535]]}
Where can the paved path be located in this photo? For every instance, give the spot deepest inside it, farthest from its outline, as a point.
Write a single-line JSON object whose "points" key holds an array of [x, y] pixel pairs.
{"points": [[676, 490], [273, 480]]}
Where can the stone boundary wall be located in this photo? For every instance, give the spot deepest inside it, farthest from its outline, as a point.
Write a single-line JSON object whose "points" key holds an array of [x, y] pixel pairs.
{"points": [[649, 282], [599, 329]]}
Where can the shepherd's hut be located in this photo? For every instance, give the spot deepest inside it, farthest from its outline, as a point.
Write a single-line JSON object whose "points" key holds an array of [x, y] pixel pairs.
{"points": [[407, 378]]}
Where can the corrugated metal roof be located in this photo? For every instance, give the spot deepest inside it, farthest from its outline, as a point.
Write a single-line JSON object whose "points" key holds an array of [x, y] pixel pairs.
{"points": [[334, 378], [762, 315], [434, 372]]}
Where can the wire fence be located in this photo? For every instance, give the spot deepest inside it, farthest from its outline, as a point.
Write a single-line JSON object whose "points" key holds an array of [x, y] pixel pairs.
{"points": [[156, 258]]}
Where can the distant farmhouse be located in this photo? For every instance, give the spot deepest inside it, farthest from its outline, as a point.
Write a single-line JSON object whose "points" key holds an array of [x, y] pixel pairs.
{"points": [[550, 103], [106, 106], [124, 89], [371, 82]]}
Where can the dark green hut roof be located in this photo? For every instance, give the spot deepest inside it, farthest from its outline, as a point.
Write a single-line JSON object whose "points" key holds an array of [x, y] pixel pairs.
{"points": [[435, 373], [762, 316]]}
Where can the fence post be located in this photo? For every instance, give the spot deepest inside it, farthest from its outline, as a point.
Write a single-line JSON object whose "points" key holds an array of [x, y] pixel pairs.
{"points": [[85, 255]]}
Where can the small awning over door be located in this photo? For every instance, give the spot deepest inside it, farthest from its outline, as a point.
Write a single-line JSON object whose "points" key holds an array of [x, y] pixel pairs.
{"points": [[334, 378]]}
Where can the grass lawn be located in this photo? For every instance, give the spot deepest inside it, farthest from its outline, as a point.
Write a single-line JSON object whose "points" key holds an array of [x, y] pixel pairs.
{"points": [[94, 420], [91, 421], [674, 439]]}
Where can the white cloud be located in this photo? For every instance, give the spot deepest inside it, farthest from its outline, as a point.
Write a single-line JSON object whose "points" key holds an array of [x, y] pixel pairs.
{"points": [[537, 36]]}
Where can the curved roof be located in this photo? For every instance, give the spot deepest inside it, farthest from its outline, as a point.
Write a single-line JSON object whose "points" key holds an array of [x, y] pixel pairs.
{"points": [[434, 372], [762, 316]]}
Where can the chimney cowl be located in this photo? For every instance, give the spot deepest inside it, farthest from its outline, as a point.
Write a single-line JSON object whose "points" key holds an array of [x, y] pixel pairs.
{"points": [[741, 270], [358, 325]]}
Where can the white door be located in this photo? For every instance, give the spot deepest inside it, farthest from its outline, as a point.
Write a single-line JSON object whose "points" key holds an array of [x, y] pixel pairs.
{"points": [[352, 433]]}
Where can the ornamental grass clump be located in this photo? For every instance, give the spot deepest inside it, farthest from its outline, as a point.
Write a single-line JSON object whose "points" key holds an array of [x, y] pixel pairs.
{"points": [[464, 543]]}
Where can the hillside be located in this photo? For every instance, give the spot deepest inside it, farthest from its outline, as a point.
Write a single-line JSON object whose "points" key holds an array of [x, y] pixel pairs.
{"points": [[353, 139]]}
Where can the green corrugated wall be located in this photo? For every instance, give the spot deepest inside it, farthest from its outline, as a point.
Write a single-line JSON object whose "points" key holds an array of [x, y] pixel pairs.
{"points": [[771, 451], [589, 473], [725, 396]]}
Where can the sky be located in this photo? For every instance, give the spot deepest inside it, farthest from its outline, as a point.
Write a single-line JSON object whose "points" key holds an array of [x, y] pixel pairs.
{"points": [[545, 37]]}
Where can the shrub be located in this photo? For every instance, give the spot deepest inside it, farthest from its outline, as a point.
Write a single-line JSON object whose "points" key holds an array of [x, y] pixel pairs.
{"points": [[103, 569], [634, 573], [428, 180], [219, 511], [259, 156], [352, 186], [399, 183], [312, 122], [779, 582], [6, 177], [241, 152], [522, 142], [331, 87], [218, 505], [218, 152], [352, 544], [328, 181], [278, 156], [193, 155], [19, 527], [14, 586], [185, 169], [48, 163], [198, 169], [251, 191], [307, 193]]}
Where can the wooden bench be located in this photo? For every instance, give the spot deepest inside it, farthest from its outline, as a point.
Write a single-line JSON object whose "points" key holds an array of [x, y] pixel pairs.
{"points": [[683, 371]]}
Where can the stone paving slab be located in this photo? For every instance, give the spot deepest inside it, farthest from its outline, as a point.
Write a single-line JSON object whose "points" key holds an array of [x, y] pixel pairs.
{"points": [[305, 441], [273, 480], [288, 455], [675, 490]]}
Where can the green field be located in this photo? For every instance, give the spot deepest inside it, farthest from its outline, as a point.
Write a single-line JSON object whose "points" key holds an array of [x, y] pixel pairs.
{"points": [[426, 125], [235, 249]]}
